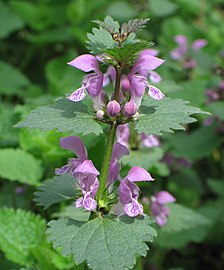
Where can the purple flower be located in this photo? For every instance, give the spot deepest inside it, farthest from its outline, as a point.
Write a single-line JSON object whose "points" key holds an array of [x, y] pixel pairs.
{"points": [[74, 144], [92, 82], [158, 207], [86, 173], [83, 170], [129, 191], [150, 140], [119, 150], [146, 63], [181, 51]]}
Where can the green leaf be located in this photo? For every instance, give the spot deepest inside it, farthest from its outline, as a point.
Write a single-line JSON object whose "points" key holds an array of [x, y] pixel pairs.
{"points": [[217, 186], [19, 232], [162, 8], [217, 108], [18, 165], [64, 115], [99, 41], [165, 115], [103, 241], [9, 21], [12, 81], [109, 24], [55, 190], [184, 225], [128, 53]]}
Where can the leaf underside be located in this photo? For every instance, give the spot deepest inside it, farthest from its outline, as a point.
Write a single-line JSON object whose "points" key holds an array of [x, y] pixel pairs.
{"points": [[114, 242], [158, 116]]}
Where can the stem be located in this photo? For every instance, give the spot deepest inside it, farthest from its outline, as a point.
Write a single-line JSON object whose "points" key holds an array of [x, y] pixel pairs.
{"points": [[117, 84], [139, 265], [106, 161]]}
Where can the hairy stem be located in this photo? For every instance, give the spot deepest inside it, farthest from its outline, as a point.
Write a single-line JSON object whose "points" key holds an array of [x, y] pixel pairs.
{"points": [[106, 161], [117, 84]]}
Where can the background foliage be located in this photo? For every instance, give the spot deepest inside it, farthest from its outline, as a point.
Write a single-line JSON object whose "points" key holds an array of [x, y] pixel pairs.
{"points": [[37, 39]]}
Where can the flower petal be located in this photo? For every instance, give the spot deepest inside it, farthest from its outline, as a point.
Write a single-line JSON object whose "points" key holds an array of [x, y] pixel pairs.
{"points": [[149, 52], [79, 202], [85, 62], [133, 209], [87, 167], [94, 84], [89, 203], [155, 93], [164, 197], [147, 62], [74, 144], [154, 77], [137, 174], [78, 95], [199, 44]]}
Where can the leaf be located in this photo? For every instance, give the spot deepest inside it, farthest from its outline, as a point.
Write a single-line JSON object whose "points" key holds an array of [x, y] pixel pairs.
{"points": [[55, 190], [184, 225], [134, 25], [18, 165], [217, 108], [165, 115], [9, 21], [19, 232], [64, 115], [162, 8], [217, 186], [103, 241], [109, 24], [12, 81], [99, 41], [129, 52]]}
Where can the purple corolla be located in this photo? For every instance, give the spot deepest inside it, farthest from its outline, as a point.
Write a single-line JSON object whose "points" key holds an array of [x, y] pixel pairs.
{"points": [[144, 66], [158, 206], [129, 191], [92, 82]]}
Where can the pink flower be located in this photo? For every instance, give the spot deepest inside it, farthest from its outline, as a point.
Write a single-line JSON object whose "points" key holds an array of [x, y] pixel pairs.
{"points": [[129, 191], [92, 82], [158, 207]]}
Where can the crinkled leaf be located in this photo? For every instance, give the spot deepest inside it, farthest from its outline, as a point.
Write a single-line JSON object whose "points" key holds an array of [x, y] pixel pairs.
{"points": [[165, 115], [18, 165], [55, 190], [184, 225], [129, 52], [19, 232], [134, 25], [103, 241], [109, 24], [64, 115], [99, 41]]}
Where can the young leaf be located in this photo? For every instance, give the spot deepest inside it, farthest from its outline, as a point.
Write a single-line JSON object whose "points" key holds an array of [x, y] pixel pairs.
{"points": [[96, 241], [64, 115], [18, 165], [134, 25], [165, 115], [55, 190], [19, 232], [109, 24]]}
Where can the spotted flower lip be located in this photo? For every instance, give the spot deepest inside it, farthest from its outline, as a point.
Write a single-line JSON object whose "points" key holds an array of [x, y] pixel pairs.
{"points": [[143, 68], [158, 206], [129, 191], [92, 82]]}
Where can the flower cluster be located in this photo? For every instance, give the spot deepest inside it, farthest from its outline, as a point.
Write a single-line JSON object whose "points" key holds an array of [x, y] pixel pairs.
{"points": [[183, 50], [86, 176], [133, 84]]}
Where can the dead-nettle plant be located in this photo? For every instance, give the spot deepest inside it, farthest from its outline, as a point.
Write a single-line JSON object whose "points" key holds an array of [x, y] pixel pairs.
{"points": [[116, 230]]}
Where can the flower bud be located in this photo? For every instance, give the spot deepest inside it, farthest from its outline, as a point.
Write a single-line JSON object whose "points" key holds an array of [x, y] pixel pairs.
{"points": [[136, 116], [100, 114], [130, 108], [113, 108]]}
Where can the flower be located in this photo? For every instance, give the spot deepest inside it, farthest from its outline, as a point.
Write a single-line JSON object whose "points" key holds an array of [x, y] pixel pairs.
{"points": [[129, 191], [123, 136], [87, 175], [92, 82], [181, 51], [158, 206], [76, 145], [113, 108], [129, 109], [144, 65]]}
